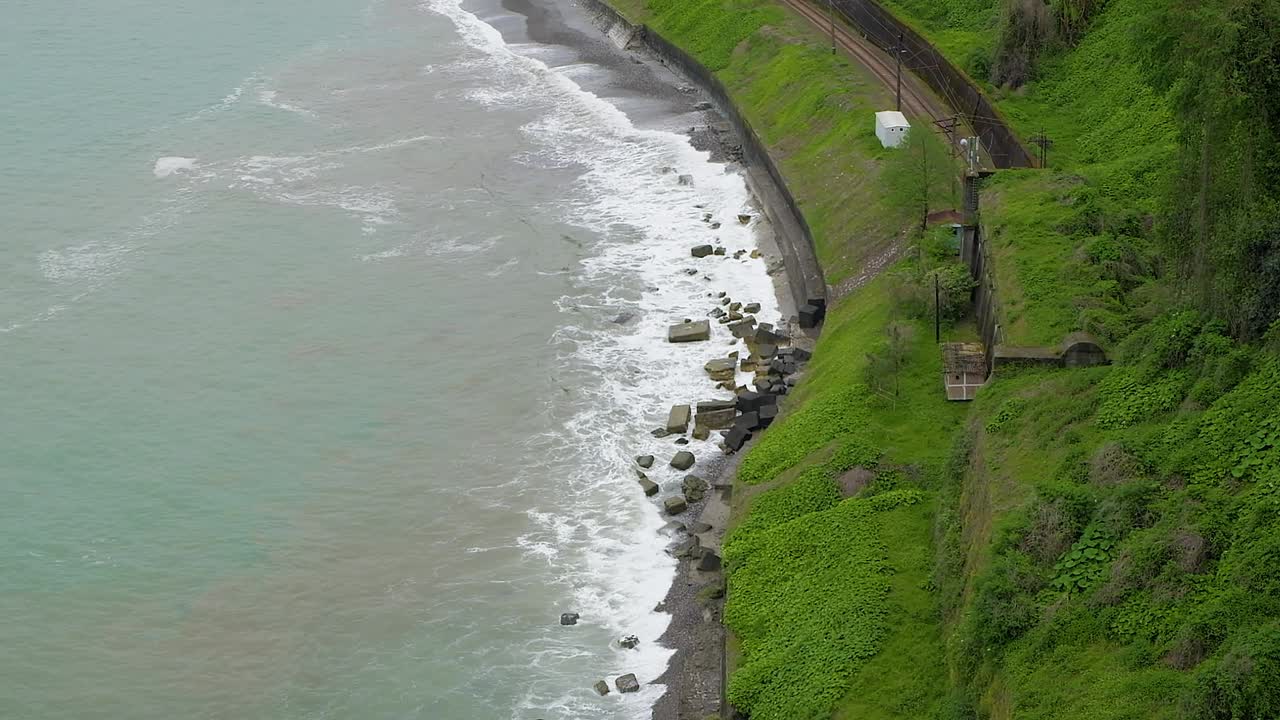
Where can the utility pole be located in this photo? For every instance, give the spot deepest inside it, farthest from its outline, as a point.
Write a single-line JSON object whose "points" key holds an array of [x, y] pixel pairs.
{"points": [[949, 126], [831, 17], [897, 54]]}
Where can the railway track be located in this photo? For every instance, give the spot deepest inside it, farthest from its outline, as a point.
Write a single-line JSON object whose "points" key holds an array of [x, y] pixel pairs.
{"points": [[919, 103]]}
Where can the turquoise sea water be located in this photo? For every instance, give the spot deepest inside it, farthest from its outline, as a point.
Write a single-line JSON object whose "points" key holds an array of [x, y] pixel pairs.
{"points": [[312, 402]]}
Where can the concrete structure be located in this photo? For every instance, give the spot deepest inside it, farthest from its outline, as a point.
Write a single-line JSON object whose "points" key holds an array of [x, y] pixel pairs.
{"points": [[964, 370], [892, 128]]}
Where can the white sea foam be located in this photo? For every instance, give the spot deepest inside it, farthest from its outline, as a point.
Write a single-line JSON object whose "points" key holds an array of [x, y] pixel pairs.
{"points": [[171, 165], [271, 98], [602, 536]]}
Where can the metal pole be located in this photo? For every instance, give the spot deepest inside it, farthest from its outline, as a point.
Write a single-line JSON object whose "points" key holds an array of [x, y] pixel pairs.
{"points": [[831, 16], [897, 54]]}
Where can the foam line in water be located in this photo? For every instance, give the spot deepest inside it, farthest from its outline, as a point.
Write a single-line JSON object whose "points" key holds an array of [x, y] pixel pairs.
{"points": [[602, 538]]}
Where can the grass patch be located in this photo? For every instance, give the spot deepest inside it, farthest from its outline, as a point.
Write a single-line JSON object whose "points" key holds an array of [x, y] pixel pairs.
{"points": [[809, 604]]}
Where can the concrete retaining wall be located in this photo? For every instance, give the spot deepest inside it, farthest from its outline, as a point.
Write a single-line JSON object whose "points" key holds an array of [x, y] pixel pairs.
{"points": [[795, 240]]}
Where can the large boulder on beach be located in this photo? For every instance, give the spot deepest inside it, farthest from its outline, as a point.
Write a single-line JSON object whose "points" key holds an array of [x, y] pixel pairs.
{"points": [[689, 331], [601, 687], [629, 642], [644, 461], [627, 683], [701, 251], [678, 419], [687, 548], [675, 505], [709, 562], [650, 487], [683, 460], [685, 179], [569, 618], [694, 488], [751, 308], [767, 414], [720, 369]]}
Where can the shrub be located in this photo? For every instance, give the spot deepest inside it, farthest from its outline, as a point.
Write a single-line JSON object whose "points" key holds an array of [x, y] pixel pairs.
{"points": [[1244, 683]]}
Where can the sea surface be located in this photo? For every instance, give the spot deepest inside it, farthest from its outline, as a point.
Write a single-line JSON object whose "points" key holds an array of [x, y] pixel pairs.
{"points": [[314, 402]]}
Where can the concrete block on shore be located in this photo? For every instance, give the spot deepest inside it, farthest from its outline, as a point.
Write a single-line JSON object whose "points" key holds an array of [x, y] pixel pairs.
{"points": [[644, 461], [743, 328], [744, 219], [675, 505], [700, 432], [685, 180], [720, 369], [689, 331], [767, 414], [736, 438], [601, 687], [701, 251], [569, 618], [683, 460], [678, 419], [650, 487], [809, 316], [715, 414], [627, 683], [751, 308]]}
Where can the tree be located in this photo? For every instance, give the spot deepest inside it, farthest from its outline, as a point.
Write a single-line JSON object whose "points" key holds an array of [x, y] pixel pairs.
{"points": [[884, 367], [915, 174]]}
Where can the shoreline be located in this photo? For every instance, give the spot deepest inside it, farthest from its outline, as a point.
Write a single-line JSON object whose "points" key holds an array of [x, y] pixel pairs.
{"points": [[695, 676]]}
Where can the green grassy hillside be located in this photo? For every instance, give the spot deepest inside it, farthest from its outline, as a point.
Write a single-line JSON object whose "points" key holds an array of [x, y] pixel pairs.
{"points": [[1096, 543]]}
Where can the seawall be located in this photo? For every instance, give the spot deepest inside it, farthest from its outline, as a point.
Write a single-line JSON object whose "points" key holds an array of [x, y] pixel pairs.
{"points": [[804, 274]]}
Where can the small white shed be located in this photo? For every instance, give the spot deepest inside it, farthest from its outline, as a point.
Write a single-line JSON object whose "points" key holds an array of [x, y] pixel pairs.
{"points": [[891, 128]]}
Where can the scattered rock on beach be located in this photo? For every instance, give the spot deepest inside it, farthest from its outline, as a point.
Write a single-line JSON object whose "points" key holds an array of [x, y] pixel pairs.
{"points": [[701, 432], [689, 332], [627, 683], [650, 487], [690, 547], [675, 505], [751, 308], [715, 226], [743, 328], [699, 527], [644, 461], [704, 105], [709, 562], [569, 618], [601, 687], [674, 527], [755, 254], [623, 318], [685, 180], [694, 488], [744, 219], [629, 642], [683, 460], [719, 250], [701, 251]]}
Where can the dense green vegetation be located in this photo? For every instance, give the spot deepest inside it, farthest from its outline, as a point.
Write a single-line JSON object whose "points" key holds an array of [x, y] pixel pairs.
{"points": [[1095, 543]]}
